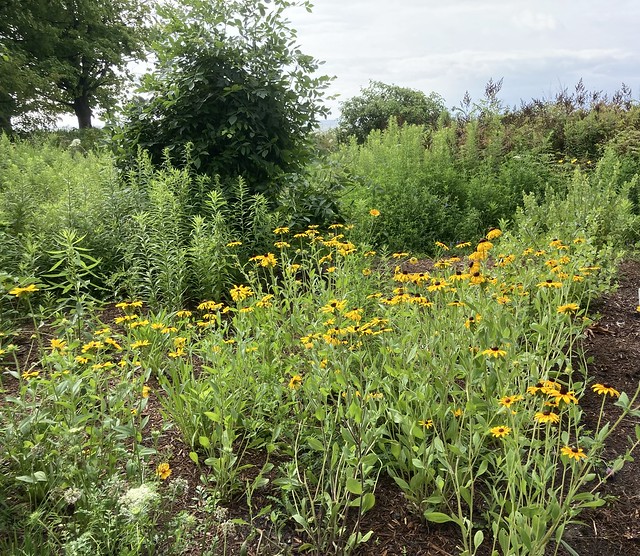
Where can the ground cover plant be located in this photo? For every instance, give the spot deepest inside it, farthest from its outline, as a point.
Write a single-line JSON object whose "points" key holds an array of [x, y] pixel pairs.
{"points": [[326, 369]]}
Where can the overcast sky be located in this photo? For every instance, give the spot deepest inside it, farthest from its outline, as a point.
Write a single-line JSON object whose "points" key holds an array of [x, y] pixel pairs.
{"points": [[451, 46]]}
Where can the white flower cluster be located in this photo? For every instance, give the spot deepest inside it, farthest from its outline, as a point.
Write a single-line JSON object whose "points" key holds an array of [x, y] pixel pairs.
{"points": [[137, 502]]}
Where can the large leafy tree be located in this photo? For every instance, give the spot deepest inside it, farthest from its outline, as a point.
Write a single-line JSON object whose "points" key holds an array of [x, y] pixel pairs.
{"points": [[230, 82], [378, 102], [61, 56]]}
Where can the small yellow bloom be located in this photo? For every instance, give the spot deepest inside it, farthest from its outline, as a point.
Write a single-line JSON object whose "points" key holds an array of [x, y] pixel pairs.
{"points": [[494, 352], [494, 234], [568, 308], [295, 382], [604, 389], [508, 401], [426, 424], [58, 345], [547, 417], [18, 292], [281, 230], [374, 212], [241, 292], [145, 391], [139, 344], [575, 453], [183, 314], [163, 471], [500, 431], [234, 244]]}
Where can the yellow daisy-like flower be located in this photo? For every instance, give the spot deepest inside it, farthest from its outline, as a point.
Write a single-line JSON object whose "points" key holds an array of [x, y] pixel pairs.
{"points": [[604, 389], [508, 401], [163, 471], [494, 234], [183, 314], [374, 212], [146, 390], [575, 453], [140, 343], [550, 284], [281, 230], [569, 308], [19, 292], [500, 431], [563, 395], [442, 246], [334, 305], [241, 292], [399, 255], [494, 352], [547, 417], [463, 245], [58, 345], [234, 244], [295, 382], [281, 244], [427, 424]]}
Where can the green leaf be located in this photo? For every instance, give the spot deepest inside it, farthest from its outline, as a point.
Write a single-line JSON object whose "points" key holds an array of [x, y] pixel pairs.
{"points": [[438, 517], [193, 456], [354, 486], [204, 441], [478, 538], [315, 444]]}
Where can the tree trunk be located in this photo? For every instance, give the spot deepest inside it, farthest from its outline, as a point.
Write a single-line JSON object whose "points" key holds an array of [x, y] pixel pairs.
{"points": [[83, 112], [7, 106]]}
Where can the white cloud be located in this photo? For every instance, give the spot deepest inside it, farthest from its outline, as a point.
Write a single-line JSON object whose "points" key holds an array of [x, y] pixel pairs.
{"points": [[535, 21]]}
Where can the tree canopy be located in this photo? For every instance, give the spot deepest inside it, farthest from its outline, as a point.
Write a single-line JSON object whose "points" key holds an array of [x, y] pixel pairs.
{"points": [[231, 82], [378, 102], [66, 56]]}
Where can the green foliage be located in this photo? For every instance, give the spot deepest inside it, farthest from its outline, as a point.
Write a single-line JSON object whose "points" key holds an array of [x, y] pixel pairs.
{"points": [[379, 102], [69, 56], [231, 82]]}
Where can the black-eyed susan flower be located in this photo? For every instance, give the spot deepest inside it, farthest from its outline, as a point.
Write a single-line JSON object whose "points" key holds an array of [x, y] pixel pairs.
{"points": [[563, 395], [334, 305], [508, 401], [604, 389], [494, 352], [547, 417], [500, 431], [472, 321], [19, 292], [295, 382], [573, 453], [495, 233], [281, 230], [569, 308], [426, 423], [241, 292], [549, 283]]}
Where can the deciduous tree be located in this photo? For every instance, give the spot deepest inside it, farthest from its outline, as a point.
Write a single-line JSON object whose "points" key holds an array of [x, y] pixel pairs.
{"points": [[67, 55]]}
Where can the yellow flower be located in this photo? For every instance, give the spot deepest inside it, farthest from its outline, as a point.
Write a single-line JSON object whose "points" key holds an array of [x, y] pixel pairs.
{"points": [[568, 308], [295, 382], [139, 344], [508, 401], [18, 292], [400, 255], [281, 230], [58, 345], [563, 395], [575, 453], [267, 261], [494, 352], [183, 314], [145, 391], [239, 293], [334, 305], [163, 471], [426, 424], [550, 284], [604, 389], [374, 212], [547, 417], [500, 431], [494, 234], [442, 246], [472, 321], [281, 245], [463, 245], [28, 375], [81, 359], [234, 244]]}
